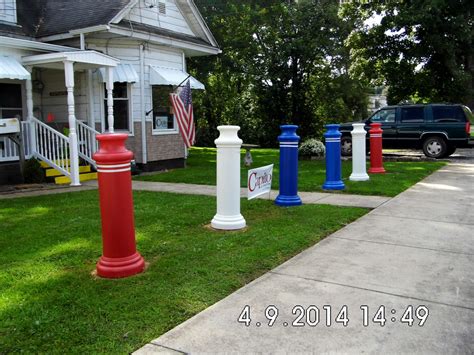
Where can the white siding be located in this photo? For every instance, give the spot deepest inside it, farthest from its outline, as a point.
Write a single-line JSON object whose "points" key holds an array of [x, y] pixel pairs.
{"points": [[53, 99], [173, 19], [8, 10], [129, 53]]}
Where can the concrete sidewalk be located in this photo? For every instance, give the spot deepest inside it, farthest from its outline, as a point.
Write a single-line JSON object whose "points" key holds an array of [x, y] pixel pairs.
{"points": [[336, 199], [415, 250]]}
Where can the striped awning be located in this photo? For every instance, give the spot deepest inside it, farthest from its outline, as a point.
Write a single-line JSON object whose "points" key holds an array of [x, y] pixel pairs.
{"points": [[123, 73], [168, 76], [10, 68]]}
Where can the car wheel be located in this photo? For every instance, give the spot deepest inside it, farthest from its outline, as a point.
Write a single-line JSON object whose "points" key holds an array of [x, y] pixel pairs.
{"points": [[435, 147], [346, 146]]}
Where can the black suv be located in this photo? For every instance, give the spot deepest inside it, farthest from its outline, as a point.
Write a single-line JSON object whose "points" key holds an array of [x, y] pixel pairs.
{"points": [[438, 129]]}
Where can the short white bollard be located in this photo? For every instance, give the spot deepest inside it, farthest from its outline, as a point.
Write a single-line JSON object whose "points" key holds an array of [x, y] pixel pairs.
{"points": [[359, 169], [228, 215]]}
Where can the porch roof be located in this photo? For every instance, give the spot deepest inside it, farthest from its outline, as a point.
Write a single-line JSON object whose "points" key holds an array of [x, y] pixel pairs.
{"points": [[169, 76], [10, 68], [82, 60]]}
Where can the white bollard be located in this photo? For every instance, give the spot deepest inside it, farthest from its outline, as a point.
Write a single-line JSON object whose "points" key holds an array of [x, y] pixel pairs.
{"points": [[228, 215], [359, 169]]}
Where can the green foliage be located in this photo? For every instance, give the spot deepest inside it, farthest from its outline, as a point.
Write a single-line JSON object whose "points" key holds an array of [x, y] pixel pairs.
{"points": [[423, 50], [201, 169], [281, 62], [32, 171], [312, 148]]}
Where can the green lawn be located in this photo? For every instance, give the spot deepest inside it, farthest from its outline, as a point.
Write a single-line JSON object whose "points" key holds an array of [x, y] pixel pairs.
{"points": [[201, 169], [50, 302]]}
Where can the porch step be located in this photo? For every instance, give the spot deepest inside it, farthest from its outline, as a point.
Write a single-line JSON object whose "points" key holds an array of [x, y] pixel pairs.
{"points": [[61, 162], [60, 180], [51, 172]]}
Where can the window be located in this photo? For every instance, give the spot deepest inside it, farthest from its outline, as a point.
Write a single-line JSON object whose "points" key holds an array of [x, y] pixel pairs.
{"points": [[163, 116], [448, 114], [8, 10], [387, 115], [412, 114], [121, 107], [10, 101]]}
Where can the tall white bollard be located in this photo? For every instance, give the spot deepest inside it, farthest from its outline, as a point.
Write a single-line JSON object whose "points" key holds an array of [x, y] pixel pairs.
{"points": [[228, 215], [359, 169]]}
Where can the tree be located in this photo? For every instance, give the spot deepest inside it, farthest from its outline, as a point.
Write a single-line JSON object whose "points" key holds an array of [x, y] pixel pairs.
{"points": [[282, 62], [423, 50]]}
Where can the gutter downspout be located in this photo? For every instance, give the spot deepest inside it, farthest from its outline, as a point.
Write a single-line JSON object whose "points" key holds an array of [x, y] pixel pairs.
{"points": [[142, 104]]}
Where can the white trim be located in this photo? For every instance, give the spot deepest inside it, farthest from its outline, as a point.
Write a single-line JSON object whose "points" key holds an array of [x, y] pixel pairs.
{"points": [[87, 57], [33, 45], [91, 29], [119, 17], [164, 40]]}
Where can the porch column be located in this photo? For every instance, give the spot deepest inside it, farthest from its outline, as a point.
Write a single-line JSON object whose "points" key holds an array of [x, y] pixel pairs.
{"points": [[109, 84], [91, 116], [29, 113], [73, 149]]}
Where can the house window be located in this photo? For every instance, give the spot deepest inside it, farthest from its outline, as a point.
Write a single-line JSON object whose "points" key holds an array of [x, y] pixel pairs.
{"points": [[10, 101], [163, 115], [121, 107], [8, 10]]}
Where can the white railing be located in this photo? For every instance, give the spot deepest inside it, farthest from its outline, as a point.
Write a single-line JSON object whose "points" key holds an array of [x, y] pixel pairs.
{"points": [[10, 149], [88, 145], [52, 147]]}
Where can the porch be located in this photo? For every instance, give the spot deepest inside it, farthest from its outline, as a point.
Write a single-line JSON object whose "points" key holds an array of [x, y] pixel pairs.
{"points": [[62, 150]]}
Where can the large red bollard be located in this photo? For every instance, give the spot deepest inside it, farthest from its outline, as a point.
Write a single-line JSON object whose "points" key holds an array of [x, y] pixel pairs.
{"points": [[376, 159], [119, 254]]}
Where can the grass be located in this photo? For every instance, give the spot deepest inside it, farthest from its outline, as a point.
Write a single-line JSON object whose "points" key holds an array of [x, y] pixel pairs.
{"points": [[201, 169], [50, 302]]}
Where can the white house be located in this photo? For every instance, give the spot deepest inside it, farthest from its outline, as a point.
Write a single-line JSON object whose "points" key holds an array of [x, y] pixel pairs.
{"points": [[71, 69]]}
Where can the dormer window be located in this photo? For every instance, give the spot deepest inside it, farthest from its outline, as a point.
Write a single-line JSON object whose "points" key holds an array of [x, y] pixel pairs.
{"points": [[8, 11]]}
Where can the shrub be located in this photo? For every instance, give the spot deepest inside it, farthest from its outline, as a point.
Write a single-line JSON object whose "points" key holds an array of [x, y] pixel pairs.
{"points": [[32, 172], [312, 148]]}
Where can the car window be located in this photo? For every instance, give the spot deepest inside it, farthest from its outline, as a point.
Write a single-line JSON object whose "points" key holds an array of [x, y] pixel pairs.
{"points": [[386, 115], [448, 114], [412, 114]]}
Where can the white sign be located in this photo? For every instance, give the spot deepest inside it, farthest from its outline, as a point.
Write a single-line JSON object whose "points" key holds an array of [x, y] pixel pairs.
{"points": [[259, 181]]}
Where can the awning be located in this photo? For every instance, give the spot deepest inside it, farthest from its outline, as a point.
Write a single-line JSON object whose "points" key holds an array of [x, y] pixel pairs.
{"points": [[10, 68], [168, 76], [123, 73]]}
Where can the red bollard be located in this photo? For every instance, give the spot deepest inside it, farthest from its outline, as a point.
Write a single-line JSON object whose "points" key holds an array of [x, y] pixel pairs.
{"points": [[119, 254], [376, 159]]}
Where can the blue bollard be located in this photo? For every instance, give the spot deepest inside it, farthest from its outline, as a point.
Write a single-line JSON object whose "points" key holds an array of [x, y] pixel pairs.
{"points": [[288, 167], [333, 158]]}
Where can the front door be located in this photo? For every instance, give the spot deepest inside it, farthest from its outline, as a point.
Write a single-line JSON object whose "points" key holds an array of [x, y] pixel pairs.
{"points": [[387, 117]]}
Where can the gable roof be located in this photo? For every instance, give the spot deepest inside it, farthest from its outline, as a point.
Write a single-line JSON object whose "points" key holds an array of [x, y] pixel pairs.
{"points": [[43, 18]]}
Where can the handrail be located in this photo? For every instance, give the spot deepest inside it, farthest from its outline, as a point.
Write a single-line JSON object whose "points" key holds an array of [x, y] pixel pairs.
{"points": [[52, 146], [10, 149], [87, 142]]}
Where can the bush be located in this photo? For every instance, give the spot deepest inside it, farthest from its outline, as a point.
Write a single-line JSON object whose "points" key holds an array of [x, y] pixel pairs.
{"points": [[312, 148], [32, 171]]}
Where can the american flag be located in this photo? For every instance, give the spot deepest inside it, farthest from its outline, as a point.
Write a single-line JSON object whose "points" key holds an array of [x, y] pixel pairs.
{"points": [[183, 110]]}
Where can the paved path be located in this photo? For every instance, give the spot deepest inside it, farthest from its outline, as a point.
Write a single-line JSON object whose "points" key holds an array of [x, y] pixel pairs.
{"points": [[337, 199], [416, 249]]}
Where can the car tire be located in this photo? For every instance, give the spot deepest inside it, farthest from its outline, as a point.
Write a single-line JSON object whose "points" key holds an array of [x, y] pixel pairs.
{"points": [[435, 147], [346, 146], [450, 150]]}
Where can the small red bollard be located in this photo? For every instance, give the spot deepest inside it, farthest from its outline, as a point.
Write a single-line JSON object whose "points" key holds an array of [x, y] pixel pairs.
{"points": [[376, 159], [119, 254]]}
